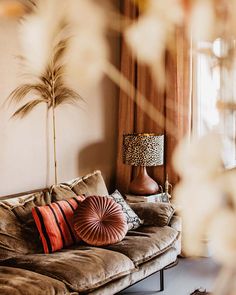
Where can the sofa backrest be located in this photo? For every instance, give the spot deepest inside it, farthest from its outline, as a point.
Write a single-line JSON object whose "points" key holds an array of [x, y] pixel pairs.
{"points": [[18, 231], [88, 185]]}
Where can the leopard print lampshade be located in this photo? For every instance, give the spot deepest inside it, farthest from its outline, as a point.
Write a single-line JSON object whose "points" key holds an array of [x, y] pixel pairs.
{"points": [[143, 149]]}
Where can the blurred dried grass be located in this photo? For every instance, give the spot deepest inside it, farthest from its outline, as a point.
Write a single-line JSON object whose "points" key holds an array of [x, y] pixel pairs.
{"points": [[207, 193]]}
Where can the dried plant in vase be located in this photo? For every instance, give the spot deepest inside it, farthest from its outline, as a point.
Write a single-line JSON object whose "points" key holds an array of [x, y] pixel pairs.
{"points": [[47, 68]]}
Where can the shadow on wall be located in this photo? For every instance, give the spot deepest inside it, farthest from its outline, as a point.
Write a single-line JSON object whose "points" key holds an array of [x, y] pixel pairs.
{"points": [[100, 151], [95, 154], [102, 155]]}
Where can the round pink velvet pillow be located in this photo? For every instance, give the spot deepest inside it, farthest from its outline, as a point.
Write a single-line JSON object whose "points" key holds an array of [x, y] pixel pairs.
{"points": [[99, 221]]}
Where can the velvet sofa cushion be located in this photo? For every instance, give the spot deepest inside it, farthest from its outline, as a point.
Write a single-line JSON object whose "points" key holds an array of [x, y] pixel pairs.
{"points": [[158, 214], [61, 191], [146, 243], [143, 271], [15, 281], [18, 232], [80, 268], [17, 200], [88, 185]]}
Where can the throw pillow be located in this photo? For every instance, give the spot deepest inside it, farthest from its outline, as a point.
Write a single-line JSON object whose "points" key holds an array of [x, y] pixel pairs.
{"points": [[18, 232], [156, 214], [90, 185], [62, 191], [100, 221], [55, 223], [132, 218]]}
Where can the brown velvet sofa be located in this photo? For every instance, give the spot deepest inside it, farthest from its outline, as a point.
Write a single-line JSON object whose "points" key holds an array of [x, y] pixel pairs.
{"points": [[79, 269]]}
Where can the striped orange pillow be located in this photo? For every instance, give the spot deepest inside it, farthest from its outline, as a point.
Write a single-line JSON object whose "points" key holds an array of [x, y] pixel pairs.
{"points": [[55, 223]]}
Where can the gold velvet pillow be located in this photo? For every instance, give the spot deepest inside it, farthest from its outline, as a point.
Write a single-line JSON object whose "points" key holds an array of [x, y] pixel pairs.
{"points": [[89, 185], [61, 192], [100, 221], [157, 214]]}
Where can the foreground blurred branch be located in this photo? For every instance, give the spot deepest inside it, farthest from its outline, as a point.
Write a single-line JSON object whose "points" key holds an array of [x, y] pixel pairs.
{"points": [[142, 102], [223, 105], [225, 281], [14, 8]]}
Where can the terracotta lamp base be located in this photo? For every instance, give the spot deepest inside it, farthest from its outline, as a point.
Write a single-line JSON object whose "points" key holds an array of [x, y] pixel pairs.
{"points": [[143, 184]]}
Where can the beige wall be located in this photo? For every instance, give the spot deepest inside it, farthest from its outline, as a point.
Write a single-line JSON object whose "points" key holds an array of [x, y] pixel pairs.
{"points": [[86, 135]]}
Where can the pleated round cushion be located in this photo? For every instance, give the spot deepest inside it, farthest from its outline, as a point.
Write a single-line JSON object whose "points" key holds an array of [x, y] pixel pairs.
{"points": [[99, 221]]}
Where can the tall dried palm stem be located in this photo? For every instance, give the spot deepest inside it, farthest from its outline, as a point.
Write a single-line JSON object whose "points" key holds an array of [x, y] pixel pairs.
{"points": [[54, 131]]}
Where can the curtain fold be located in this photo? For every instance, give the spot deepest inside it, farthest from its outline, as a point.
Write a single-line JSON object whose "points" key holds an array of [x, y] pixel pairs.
{"points": [[126, 113], [174, 104], [178, 98]]}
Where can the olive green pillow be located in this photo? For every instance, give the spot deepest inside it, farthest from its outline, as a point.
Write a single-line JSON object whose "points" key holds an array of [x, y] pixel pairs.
{"points": [[91, 184], [157, 214]]}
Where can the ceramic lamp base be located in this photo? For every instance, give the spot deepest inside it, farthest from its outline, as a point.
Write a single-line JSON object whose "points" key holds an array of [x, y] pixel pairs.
{"points": [[143, 184]]}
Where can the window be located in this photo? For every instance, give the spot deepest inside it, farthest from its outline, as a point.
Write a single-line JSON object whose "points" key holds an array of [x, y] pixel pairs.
{"points": [[213, 81]]}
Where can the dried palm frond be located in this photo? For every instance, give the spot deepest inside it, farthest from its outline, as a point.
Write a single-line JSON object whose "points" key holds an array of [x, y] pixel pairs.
{"points": [[50, 86], [66, 95], [51, 89], [27, 108], [21, 91], [40, 32], [45, 59]]}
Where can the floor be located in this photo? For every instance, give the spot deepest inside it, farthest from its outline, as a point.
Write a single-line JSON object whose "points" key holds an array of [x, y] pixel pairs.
{"points": [[183, 279]]}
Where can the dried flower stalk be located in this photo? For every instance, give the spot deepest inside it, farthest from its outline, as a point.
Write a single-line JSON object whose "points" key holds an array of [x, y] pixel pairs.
{"points": [[48, 87]]}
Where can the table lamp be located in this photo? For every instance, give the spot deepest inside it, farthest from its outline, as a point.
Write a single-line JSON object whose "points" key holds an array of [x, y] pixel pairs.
{"points": [[143, 149]]}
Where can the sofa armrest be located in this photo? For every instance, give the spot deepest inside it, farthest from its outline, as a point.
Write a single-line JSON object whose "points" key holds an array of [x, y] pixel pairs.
{"points": [[176, 223], [154, 214]]}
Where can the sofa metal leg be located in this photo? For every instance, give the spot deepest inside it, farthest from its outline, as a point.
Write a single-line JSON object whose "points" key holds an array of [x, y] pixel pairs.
{"points": [[161, 280]]}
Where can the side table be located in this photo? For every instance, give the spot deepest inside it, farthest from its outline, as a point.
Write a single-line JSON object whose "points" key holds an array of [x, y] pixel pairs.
{"points": [[161, 197]]}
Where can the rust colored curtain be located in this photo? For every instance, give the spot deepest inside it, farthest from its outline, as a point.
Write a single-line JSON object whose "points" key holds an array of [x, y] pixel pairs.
{"points": [[174, 104]]}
